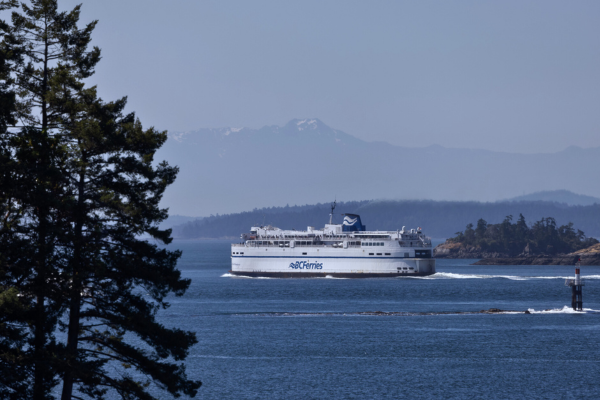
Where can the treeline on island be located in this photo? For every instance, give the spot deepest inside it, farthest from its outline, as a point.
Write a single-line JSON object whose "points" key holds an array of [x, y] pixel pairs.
{"points": [[515, 239], [439, 219]]}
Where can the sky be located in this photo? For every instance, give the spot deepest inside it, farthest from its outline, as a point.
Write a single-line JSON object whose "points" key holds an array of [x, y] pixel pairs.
{"points": [[512, 76]]}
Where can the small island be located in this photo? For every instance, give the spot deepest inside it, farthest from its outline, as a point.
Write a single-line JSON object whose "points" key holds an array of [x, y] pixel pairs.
{"points": [[509, 243]]}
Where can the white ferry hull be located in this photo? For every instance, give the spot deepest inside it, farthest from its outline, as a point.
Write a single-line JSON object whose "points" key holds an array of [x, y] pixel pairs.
{"points": [[345, 250], [298, 266]]}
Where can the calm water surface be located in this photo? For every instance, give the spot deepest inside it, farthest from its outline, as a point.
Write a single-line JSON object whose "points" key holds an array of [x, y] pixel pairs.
{"points": [[301, 338]]}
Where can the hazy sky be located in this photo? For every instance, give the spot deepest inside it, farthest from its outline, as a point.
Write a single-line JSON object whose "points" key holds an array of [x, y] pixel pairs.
{"points": [[517, 76]]}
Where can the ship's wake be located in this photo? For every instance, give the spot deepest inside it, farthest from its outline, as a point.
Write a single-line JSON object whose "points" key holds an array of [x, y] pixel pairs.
{"points": [[228, 275], [450, 275], [564, 310], [491, 311]]}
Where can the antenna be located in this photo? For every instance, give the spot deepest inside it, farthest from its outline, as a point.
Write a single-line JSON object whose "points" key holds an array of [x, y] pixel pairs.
{"points": [[332, 208]]}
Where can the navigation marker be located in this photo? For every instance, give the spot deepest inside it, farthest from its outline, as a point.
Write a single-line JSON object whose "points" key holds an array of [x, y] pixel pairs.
{"points": [[576, 285]]}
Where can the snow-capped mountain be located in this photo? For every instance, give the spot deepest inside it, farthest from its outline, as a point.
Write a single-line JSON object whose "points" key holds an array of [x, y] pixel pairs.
{"points": [[306, 161]]}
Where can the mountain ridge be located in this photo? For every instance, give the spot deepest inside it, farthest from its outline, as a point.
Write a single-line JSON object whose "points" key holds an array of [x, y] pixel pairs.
{"points": [[232, 169], [558, 196]]}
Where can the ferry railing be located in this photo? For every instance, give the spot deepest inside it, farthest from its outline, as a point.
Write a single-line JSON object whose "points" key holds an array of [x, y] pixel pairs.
{"points": [[319, 245], [323, 245]]}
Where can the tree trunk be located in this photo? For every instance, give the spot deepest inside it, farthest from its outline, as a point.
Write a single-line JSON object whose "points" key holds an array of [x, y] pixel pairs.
{"points": [[76, 289], [39, 341]]}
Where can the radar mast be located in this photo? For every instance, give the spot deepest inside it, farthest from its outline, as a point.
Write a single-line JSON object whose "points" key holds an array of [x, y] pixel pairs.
{"points": [[332, 208]]}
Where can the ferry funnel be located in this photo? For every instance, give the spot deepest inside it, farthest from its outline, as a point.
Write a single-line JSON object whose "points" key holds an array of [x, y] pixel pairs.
{"points": [[352, 223]]}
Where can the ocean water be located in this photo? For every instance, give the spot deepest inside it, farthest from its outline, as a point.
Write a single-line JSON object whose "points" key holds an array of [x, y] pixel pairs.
{"points": [[310, 339]]}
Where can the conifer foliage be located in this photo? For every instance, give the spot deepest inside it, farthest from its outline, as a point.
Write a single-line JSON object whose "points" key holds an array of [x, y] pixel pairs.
{"points": [[512, 239], [79, 292]]}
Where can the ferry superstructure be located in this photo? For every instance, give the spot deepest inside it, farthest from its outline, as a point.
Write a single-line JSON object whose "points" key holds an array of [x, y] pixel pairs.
{"points": [[344, 250]]}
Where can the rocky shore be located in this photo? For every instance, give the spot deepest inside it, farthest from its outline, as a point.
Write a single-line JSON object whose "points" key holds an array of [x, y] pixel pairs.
{"points": [[588, 256]]}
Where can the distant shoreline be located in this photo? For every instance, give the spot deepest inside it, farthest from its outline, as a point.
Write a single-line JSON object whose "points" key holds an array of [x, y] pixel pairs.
{"points": [[566, 259], [587, 256]]}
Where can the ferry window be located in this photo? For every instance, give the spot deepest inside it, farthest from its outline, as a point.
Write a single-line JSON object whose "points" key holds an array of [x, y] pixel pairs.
{"points": [[303, 254], [378, 254], [388, 254], [406, 255], [241, 253], [371, 254]]}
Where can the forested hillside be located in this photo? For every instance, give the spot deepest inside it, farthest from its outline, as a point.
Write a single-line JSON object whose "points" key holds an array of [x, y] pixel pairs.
{"points": [[513, 239], [439, 219]]}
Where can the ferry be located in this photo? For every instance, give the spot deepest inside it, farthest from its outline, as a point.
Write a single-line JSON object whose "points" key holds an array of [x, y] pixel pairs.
{"points": [[346, 250]]}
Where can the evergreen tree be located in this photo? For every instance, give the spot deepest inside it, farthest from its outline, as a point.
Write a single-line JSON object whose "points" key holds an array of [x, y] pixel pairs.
{"points": [[469, 235], [85, 188], [14, 370], [116, 191], [481, 229], [521, 229]]}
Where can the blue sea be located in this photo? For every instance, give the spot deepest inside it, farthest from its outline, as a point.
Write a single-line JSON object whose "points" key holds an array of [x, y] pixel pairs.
{"points": [[310, 339]]}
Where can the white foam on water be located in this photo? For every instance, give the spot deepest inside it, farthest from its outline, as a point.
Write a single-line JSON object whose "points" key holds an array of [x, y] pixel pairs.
{"points": [[228, 275], [588, 276], [450, 275], [444, 275], [564, 310]]}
